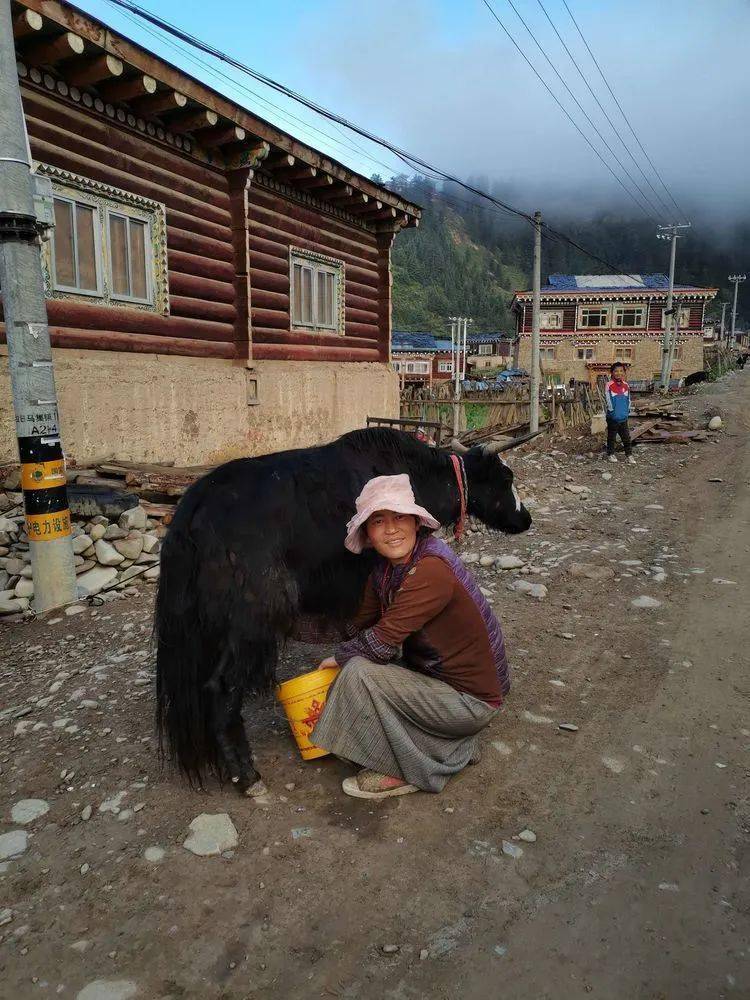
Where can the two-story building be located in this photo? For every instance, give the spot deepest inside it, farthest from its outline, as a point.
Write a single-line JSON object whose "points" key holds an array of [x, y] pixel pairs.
{"points": [[422, 358], [215, 286], [487, 351], [588, 321]]}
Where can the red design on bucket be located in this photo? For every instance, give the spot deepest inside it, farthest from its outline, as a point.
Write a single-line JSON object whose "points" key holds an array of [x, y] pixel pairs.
{"points": [[316, 710]]}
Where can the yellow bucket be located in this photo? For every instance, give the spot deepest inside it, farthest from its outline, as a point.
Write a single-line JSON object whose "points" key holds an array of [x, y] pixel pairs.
{"points": [[303, 699]]}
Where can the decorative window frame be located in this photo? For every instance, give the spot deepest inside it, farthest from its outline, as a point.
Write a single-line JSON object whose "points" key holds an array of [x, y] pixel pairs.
{"points": [[485, 350], [105, 199], [547, 323], [335, 264], [643, 309], [606, 309]]}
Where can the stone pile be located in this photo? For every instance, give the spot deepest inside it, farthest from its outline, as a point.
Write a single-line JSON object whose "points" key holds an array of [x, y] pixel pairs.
{"points": [[109, 555]]}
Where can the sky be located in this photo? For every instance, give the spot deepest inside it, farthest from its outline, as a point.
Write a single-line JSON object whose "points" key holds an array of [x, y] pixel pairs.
{"points": [[442, 80]]}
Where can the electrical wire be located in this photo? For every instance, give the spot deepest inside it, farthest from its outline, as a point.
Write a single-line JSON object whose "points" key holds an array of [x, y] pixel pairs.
{"points": [[414, 162], [562, 107], [603, 110], [622, 111]]}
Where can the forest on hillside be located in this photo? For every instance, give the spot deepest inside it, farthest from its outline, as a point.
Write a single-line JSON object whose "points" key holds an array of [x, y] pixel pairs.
{"points": [[467, 257]]}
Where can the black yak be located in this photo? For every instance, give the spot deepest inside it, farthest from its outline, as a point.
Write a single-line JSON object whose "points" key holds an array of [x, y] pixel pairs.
{"points": [[258, 544]]}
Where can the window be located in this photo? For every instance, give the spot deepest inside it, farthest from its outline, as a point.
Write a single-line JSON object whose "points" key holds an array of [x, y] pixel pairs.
{"points": [[624, 354], [316, 291], [547, 353], [630, 316], [484, 349], [551, 320], [585, 353], [107, 244], [412, 367], [683, 316], [593, 316], [445, 366]]}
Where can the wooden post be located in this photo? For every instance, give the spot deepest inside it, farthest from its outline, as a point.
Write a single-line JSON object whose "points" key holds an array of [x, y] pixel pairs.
{"points": [[239, 184]]}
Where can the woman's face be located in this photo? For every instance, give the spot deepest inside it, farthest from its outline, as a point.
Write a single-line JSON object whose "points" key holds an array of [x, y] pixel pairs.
{"points": [[392, 535]]}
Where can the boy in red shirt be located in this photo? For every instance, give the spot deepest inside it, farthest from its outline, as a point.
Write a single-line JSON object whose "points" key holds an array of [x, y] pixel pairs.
{"points": [[617, 398]]}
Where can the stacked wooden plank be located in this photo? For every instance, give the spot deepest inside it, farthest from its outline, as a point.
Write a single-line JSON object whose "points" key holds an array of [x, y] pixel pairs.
{"points": [[158, 486], [661, 423]]}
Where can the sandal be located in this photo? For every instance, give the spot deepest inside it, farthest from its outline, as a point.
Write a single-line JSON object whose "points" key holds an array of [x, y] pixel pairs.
{"points": [[371, 785]]}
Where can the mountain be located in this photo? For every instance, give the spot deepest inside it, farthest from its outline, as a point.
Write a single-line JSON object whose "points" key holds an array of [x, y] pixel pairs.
{"points": [[468, 257]]}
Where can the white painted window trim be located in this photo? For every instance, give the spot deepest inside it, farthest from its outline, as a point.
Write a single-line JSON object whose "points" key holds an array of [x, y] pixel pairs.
{"points": [[131, 217], [317, 263], [98, 292], [445, 366], [621, 307], [599, 308]]}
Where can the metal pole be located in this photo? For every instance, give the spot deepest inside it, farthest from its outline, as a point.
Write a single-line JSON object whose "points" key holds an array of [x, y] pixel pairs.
{"points": [[29, 351], [535, 305], [668, 316], [736, 278], [721, 331]]}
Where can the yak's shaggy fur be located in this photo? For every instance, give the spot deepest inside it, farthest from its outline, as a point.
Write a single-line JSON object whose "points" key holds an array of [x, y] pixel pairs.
{"points": [[256, 545]]}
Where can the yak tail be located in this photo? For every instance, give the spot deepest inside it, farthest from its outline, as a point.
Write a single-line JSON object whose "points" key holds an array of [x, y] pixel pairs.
{"points": [[186, 657]]}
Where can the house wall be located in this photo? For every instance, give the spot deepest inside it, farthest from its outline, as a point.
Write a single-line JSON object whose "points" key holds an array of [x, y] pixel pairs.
{"points": [[194, 411], [646, 359]]}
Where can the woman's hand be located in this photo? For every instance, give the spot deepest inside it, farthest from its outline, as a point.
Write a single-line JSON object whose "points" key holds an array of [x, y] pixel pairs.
{"points": [[327, 663]]}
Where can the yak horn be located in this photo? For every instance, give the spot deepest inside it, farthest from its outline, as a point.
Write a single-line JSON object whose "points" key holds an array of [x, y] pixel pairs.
{"points": [[455, 445]]}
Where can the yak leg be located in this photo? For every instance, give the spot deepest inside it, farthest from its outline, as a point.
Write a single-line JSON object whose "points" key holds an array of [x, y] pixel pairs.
{"points": [[229, 732]]}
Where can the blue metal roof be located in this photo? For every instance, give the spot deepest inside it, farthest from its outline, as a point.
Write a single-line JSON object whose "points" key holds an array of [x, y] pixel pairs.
{"points": [[608, 282], [489, 338], [401, 341]]}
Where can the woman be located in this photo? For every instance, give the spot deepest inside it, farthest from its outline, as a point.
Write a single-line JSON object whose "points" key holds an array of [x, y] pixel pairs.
{"points": [[411, 727]]}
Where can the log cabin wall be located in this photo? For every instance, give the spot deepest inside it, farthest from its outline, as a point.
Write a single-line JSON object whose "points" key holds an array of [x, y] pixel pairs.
{"points": [[201, 271]]}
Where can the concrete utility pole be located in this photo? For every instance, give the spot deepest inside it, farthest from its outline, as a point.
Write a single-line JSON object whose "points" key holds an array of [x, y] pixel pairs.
{"points": [[29, 350], [536, 299], [459, 328], [721, 330], [736, 279], [669, 339]]}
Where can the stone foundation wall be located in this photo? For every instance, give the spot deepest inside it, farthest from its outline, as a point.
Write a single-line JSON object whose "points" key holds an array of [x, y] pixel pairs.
{"points": [[646, 355], [195, 411]]}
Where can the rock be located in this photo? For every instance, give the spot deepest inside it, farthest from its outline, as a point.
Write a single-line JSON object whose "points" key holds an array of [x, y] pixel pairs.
{"points": [[568, 727], [108, 989], [537, 590], [646, 602], [131, 546], [470, 558], [85, 868], [390, 949], [114, 531], [606, 476], [715, 423], [112, 804], [598, 423], [6, 915], [75, 609], [133, 518], [486, 561], [27, 810], [14, 566], [81, 543], [566, 635], [85, 566], [528, 836], [512, 850], [577, 490], [614, 764], [151, 543], [724, 583], [107, 554], [13, 843], [211, 834], [540, 720], [91, 583], [24, 588], [97, 531], [12, 605], [86, 813], [509, 562], [424, 955], [152, 574], [154, 854], [591, 571]]}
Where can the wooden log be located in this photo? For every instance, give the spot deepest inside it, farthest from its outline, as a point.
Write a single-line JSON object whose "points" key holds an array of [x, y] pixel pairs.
{"points": [[276, 318], [321, 180], [310, 215], [71, 314], [339, 192], [266, 299], [294, 352], [68, 121], [276, 161], [155, 164], [299, 172], [284, 220], [84, 73], [368, 316], [196, 243], [273, 264], [188, 264], [219, 312], [369, 303], [367, 207], [364, 330], [119, 178], [27, 22], [161, 101], [269, 280], [126, 88], [269, 335], [48, 51], [307, 238], [220, 136], [197, 286], [107, 340], [271, 248], [191, 121]]}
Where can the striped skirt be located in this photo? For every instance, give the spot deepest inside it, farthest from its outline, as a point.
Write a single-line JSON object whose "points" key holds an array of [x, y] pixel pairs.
{"points": [[402, 723]]}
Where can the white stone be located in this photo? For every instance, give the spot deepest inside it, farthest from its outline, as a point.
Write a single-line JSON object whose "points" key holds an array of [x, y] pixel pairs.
{"points": [[715, 423], [107, 554], [528, 836], [537, 590], [568, 727], [512, 850], [131, 546], [540, 720], [75, 609], [502, 748], [470, 558], [108, 989], [154, 854], [133, 518], [93, 580], [573, 488], [211, 834], [644, 601], [112, 805], [151, 543], [152, 574], [13, 843], [86, 813], [27, 810], [509, 562], [486, 561], [97, 532], [12, 605], [614, 764], [606, 476], [81, 543]]}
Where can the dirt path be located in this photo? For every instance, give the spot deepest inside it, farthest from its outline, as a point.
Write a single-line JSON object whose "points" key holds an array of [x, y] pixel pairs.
{"points": [[637, 884]]}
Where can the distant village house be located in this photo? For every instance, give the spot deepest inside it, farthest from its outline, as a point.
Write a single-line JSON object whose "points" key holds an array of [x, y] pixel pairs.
{"points": [[422, 358], [490, 351]]}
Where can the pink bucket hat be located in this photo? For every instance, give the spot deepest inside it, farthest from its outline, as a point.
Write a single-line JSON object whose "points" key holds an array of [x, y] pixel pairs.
{"points": [[384, 493]]}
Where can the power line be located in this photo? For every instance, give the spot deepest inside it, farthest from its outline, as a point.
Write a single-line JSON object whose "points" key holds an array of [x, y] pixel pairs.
{"points": [[603, 110], [414, 162], [581, 108], [622, 111]]}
